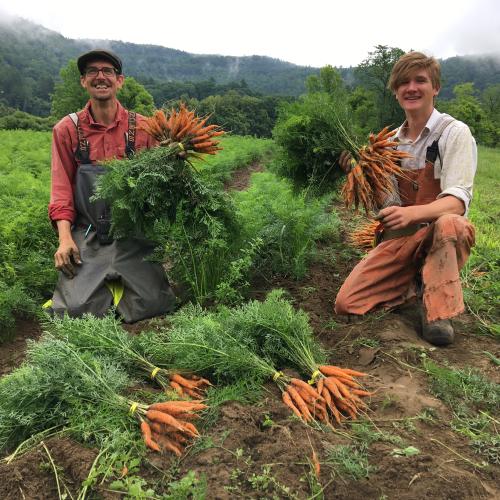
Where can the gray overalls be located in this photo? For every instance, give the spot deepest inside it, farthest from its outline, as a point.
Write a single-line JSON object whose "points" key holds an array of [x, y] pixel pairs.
{"points": [[146, 291]]}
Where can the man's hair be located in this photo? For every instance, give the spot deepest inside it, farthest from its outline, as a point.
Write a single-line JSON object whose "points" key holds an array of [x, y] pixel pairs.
{"points": [[411, 62]]}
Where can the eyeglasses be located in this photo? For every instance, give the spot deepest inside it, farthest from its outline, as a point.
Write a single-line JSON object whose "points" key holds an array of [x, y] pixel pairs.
{"points": [[92, 71]]}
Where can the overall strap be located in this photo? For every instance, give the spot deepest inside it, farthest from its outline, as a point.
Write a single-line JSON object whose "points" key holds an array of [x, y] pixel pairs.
{"points": [[82, 153], [130, 135], [433, 150]]}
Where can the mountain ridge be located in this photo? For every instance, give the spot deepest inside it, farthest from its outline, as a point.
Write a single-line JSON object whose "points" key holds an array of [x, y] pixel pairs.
{"points": [[31, 57]]}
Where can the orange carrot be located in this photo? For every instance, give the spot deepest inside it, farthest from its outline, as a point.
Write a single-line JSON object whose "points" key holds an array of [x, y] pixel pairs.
{"points": [[177, 388], [170, 445], [329, 370], [194, 393], [175, 407], [301, 405], [342, 388], [332, 387], [319, 385], [316, 464], [165, 418], [331, 405], [285, 396], [305, 387], [348, 382], [146, 434], [191, 428], [359, 392], [184, 382], [354, 373]]}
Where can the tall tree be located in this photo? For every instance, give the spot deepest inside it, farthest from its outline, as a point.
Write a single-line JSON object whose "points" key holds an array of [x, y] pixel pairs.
{"points": [[490, 99], [135, 97], [329, 80], [466, 107], [69, 96], [374, 73]]}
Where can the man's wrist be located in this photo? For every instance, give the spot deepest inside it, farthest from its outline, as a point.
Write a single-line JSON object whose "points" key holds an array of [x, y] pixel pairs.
{"points": [[64, 230]]}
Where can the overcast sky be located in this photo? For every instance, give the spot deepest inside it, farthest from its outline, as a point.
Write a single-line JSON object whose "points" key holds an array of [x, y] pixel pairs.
{"points": [[312, 32]]}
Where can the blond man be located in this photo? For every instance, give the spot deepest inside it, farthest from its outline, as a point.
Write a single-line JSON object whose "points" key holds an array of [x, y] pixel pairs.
{"points": [[426, 237]]}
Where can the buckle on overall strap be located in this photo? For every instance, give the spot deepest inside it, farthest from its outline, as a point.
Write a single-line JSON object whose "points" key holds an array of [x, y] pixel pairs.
{"points": [[130, 135], [82, 153], [433, 153], [391, 234]]}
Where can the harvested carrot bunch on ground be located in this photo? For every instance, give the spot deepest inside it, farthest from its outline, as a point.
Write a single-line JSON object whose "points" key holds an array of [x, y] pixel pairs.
{"points": [[363, 237], [286, 336], [167, 426], [305, 402], [184, 130], [341, 392], [372, 177], [193, 386]]}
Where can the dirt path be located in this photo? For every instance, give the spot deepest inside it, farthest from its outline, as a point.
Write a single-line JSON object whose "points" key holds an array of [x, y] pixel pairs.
{"points": [[258, 451], [240, 179]]}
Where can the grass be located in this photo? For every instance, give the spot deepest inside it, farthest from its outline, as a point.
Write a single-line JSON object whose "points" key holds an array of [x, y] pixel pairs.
{"points": [[481, 274], [289, 225], [463, 389], [474, 401], [27, 241], [237, 152], [349, 460]]}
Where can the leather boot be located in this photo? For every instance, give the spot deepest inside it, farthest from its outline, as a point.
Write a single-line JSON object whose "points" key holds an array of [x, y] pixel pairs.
{"points": [[438, 332]]}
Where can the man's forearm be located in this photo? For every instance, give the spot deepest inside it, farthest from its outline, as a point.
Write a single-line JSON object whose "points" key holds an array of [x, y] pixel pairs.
{"points": [[439, 207], [396, 217]]}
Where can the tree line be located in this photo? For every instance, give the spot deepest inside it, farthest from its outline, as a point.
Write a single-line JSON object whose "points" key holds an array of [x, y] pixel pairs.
{"points": [[243, 111]]}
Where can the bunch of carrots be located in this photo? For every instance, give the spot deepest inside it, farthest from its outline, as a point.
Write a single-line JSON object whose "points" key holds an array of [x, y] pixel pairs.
{"points": [[193, 387], [371, 178], [185, 130], [336, 394], [363, 236], [167, 425]]}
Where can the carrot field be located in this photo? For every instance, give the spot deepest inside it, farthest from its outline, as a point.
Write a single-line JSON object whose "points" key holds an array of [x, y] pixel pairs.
{"points": [[255, 312]]}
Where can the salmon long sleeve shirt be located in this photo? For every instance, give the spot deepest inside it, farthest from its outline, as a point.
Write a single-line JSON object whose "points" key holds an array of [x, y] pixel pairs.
{"points": [[105, 142]]}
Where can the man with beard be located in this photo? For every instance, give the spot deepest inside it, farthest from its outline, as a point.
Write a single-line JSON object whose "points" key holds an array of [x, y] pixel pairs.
{"points": [[97, 271]]}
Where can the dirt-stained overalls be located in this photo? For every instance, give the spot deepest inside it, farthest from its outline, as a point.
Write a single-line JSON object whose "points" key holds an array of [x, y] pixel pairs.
{"points": [[387, 275], [113, 271]]}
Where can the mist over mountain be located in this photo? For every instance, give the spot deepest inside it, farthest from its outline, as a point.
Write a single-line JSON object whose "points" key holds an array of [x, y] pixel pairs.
{"points": [[31, 57]]}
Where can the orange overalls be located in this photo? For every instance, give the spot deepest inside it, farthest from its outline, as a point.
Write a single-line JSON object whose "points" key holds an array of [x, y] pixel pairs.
{"points": [[387, 275]]}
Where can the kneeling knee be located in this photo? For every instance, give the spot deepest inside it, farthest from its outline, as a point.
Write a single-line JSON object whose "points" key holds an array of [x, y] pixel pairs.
{"points": [[454, 227], [341, 303]]}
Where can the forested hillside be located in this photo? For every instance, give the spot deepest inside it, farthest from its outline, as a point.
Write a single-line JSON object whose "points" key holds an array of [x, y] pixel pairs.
{"points": [[32, 56]]}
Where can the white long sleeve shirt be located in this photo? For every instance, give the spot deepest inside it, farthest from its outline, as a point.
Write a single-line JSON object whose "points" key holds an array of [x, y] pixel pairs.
{"points": [[457, 161]]}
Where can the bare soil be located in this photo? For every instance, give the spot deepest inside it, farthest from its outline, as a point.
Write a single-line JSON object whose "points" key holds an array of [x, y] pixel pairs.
{"points": [[240, 179], [258, 451]]}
